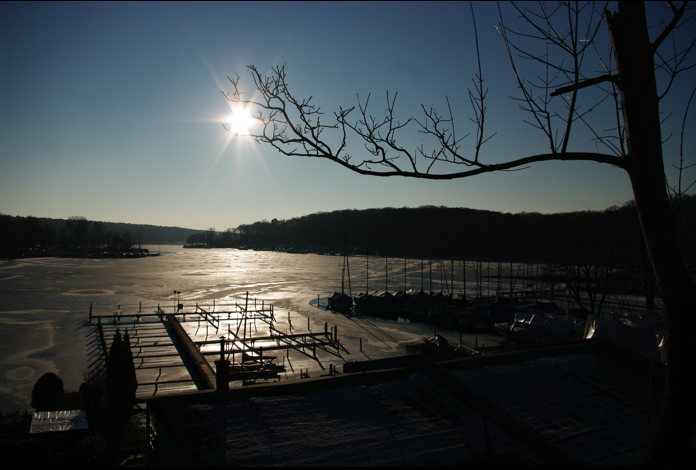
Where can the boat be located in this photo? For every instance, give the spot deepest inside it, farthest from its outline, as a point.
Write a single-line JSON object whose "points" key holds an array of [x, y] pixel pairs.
{"points": [[439, 348], [340, 301], [484, 317], [380, 303], [496, 314], [529, 328]]}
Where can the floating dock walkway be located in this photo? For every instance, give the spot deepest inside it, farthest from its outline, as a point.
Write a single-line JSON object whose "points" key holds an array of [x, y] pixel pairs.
{"points": [[159, 340]]}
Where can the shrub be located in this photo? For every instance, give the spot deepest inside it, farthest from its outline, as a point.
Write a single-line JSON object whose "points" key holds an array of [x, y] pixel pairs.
{"points": [[121, 384], [46, 389]]}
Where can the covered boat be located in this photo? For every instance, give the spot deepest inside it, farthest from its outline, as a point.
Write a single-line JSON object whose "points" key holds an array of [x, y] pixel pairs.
{"points": [[340, 302], [529, 328]]}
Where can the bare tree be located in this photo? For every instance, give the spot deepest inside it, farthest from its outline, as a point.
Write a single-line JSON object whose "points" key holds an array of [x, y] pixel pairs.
{"points": [[210, 237], [98, 234], [127, 240], [589, 257], [78, 228], [294, 127]]}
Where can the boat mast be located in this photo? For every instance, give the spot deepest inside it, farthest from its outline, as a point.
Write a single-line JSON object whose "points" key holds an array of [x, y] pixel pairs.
{"points": [[350, 290], [452, 266], [404, 267], [422, 266], [452, 273], [500, 264], [464, 263], [343, 271], [367, 270], [343, 275], [430, 262], [443, 269]]}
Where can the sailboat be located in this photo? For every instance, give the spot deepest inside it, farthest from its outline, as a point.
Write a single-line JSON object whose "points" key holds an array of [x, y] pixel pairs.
{"points": [[380, 303], [364, 300], [342, 302]]}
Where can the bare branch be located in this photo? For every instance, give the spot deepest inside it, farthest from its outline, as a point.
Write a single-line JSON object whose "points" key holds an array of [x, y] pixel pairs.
{"points": [[681, 149], [678, 13], [585, 84]]}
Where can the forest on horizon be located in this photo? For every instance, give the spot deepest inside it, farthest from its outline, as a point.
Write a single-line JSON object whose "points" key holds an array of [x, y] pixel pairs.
{"points": [[446, 231], [30, 232], [423, 231]]}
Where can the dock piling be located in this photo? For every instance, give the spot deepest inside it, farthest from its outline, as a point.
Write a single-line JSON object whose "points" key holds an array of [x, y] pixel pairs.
{"points": [[298, 340]]}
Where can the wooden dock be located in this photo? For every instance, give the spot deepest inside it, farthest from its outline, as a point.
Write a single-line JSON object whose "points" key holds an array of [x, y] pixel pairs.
{"points": [[194, 354], [160, 341]]}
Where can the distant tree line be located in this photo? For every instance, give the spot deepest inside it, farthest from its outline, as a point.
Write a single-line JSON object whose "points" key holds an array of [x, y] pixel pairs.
{"points": [[444, 232], [77, 231], [591, 255], [212, 239]]}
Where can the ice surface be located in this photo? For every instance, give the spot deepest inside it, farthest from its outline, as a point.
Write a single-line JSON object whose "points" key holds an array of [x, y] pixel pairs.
{"points": [[44, 303]]}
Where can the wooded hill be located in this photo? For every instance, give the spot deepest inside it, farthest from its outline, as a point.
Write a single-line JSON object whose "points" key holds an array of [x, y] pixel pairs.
{"points": [[445, 231], [22, 232]]}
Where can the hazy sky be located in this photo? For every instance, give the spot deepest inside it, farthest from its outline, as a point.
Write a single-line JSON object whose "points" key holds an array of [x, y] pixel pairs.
{"points": [[113, 111]]}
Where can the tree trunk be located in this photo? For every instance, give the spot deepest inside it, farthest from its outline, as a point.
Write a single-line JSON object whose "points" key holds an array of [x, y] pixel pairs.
{"points": [[634, 54]]}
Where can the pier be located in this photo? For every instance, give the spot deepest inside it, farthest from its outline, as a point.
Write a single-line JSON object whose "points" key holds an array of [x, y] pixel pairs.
{"points": [[244, 336]]}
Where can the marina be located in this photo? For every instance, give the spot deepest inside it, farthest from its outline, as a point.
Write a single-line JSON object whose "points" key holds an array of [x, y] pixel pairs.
{"points": [[255, 326], [243, 337], [45, 303]]}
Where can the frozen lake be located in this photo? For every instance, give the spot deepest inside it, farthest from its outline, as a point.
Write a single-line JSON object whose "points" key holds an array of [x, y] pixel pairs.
{"points": [[44, 303]]}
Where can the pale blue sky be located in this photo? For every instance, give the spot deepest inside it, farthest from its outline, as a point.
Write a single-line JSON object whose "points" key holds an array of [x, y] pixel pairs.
{"points": [[113, 111]]}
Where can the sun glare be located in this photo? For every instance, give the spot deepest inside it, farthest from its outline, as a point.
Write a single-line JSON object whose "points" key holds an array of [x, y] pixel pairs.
{"points": [[240, 120]]}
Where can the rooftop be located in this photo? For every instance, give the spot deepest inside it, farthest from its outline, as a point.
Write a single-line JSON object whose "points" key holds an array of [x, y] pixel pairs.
{"points": [[579, 403]]}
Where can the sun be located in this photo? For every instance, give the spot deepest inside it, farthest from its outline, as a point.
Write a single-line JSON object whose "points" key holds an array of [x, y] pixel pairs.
{"points": [[240, 120]]}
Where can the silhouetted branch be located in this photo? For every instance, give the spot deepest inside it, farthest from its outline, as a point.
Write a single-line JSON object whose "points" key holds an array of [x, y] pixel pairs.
{"points": [[584, 84], [294, 128], [678, 13], [678, 192]]}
